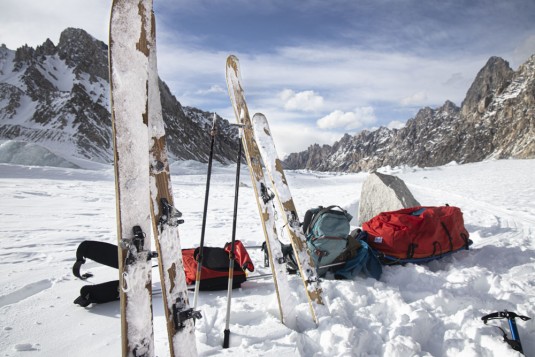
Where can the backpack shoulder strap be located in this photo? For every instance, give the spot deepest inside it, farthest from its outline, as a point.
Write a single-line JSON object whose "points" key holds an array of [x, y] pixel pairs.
{"points": [[308, 217]]}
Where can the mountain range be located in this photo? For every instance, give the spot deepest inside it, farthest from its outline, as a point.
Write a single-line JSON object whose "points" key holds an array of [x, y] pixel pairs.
{"points": [[496, 120], [58, 97]]}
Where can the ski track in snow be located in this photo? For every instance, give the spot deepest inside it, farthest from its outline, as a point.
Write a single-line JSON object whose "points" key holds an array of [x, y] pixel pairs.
{"points": [[414, 310]]}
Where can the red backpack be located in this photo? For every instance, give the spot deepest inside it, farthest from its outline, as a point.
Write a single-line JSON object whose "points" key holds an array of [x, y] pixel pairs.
{"points": [[417, 234], [215, 268]]}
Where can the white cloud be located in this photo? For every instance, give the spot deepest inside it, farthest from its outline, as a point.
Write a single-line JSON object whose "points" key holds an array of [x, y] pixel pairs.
{"points": [[395, 124], [212, 90], [524, 51], [307, 101], [32, 22], [295, 137], [348, 120], [419, 98]]}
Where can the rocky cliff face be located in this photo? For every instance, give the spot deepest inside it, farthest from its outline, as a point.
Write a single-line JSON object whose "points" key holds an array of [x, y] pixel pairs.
{"points": [[58, 96], [496, 120]]}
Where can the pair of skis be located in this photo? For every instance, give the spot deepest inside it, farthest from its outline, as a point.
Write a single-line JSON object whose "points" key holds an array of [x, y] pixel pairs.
{"points": [[259, 148], [143, 187]]}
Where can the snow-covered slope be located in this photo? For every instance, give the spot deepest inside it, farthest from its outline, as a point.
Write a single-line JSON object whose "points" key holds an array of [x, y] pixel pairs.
{"points": [[428, 310]]}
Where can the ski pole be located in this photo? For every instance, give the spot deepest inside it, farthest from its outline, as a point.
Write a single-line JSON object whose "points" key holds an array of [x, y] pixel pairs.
{"points": [[226, 333], [203, 229]]}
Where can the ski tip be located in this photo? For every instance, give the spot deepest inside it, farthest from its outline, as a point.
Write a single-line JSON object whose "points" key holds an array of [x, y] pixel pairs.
{"points": [[214, 120], [260, 121], [232, 58], [259, 116], [233, 62]]}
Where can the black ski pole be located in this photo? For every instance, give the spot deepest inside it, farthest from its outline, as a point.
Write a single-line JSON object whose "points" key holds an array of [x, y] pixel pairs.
{"points": [[203, 229], [226, 333]]}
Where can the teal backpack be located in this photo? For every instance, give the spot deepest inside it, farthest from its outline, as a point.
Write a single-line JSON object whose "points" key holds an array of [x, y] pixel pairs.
{"points": [[326, 230]]}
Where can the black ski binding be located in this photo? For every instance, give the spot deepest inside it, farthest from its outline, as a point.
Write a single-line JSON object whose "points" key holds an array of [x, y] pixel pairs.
{"points": [[134, 245], [266, 256], [293, 221], [171, 216], [181, 315], [514, 341], [266, 193]]}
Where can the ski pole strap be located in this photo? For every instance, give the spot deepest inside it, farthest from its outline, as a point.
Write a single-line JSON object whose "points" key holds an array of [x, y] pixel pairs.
{"points": [[514, 341]]}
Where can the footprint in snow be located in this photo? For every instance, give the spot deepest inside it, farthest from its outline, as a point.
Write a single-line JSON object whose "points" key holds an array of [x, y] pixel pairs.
{"points": [[25, 292]]}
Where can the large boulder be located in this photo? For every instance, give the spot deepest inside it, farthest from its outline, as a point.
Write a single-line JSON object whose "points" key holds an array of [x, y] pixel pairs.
{"points": [[382, 193]]}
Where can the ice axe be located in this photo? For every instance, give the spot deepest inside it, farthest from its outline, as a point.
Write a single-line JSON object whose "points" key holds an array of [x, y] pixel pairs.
{"points": [[514, 341]]}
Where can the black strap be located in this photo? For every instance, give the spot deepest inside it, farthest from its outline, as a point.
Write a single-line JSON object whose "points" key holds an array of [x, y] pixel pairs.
{"points": [[100, 252], [76, 270], [98, 293], [410, 251], [435, 244], [448, 234], [467, 241]]}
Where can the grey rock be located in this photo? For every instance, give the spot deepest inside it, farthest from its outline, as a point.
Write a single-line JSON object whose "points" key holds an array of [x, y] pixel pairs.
{"points": [[383, 193]]}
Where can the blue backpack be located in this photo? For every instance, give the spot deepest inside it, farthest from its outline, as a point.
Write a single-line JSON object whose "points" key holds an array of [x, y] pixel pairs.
{"points": [[326, 230]]}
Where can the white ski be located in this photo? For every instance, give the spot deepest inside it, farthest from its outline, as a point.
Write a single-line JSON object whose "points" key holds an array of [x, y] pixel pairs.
{"points": [[286, 300], [165, 218], [130, 26], [284, 197]]}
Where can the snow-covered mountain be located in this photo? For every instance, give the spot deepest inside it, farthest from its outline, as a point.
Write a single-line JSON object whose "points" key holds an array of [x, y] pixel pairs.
{"points": [[496, 120], [58, 97]]}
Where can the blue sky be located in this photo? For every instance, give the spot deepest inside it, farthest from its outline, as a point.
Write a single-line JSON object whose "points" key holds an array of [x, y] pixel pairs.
{"points": [[315, 68]]}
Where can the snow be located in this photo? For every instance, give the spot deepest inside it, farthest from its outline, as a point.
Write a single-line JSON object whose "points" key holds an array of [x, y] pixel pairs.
{"points": [[56, 71], [427, 310], [23, 153]]}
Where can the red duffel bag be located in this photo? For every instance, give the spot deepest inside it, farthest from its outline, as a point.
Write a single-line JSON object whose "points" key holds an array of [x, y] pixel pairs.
{"points": [[417, 234]]}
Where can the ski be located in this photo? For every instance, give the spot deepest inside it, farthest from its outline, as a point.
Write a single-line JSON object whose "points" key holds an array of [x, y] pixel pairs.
{"points": [[273, 165], [165, 221], [287, 302], [130, 24]]}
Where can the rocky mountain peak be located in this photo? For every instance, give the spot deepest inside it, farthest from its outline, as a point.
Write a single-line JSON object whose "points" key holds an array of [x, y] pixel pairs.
{"points": [[23, 55], [490, 81], [84, 53], [450, 108], [46, 49]]}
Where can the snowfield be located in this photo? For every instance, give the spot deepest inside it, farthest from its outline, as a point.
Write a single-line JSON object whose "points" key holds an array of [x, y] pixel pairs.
{"points": [[414, 310]]}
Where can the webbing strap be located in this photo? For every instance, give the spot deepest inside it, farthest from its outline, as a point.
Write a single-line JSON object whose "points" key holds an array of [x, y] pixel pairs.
{"points": [[448, 234]]}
